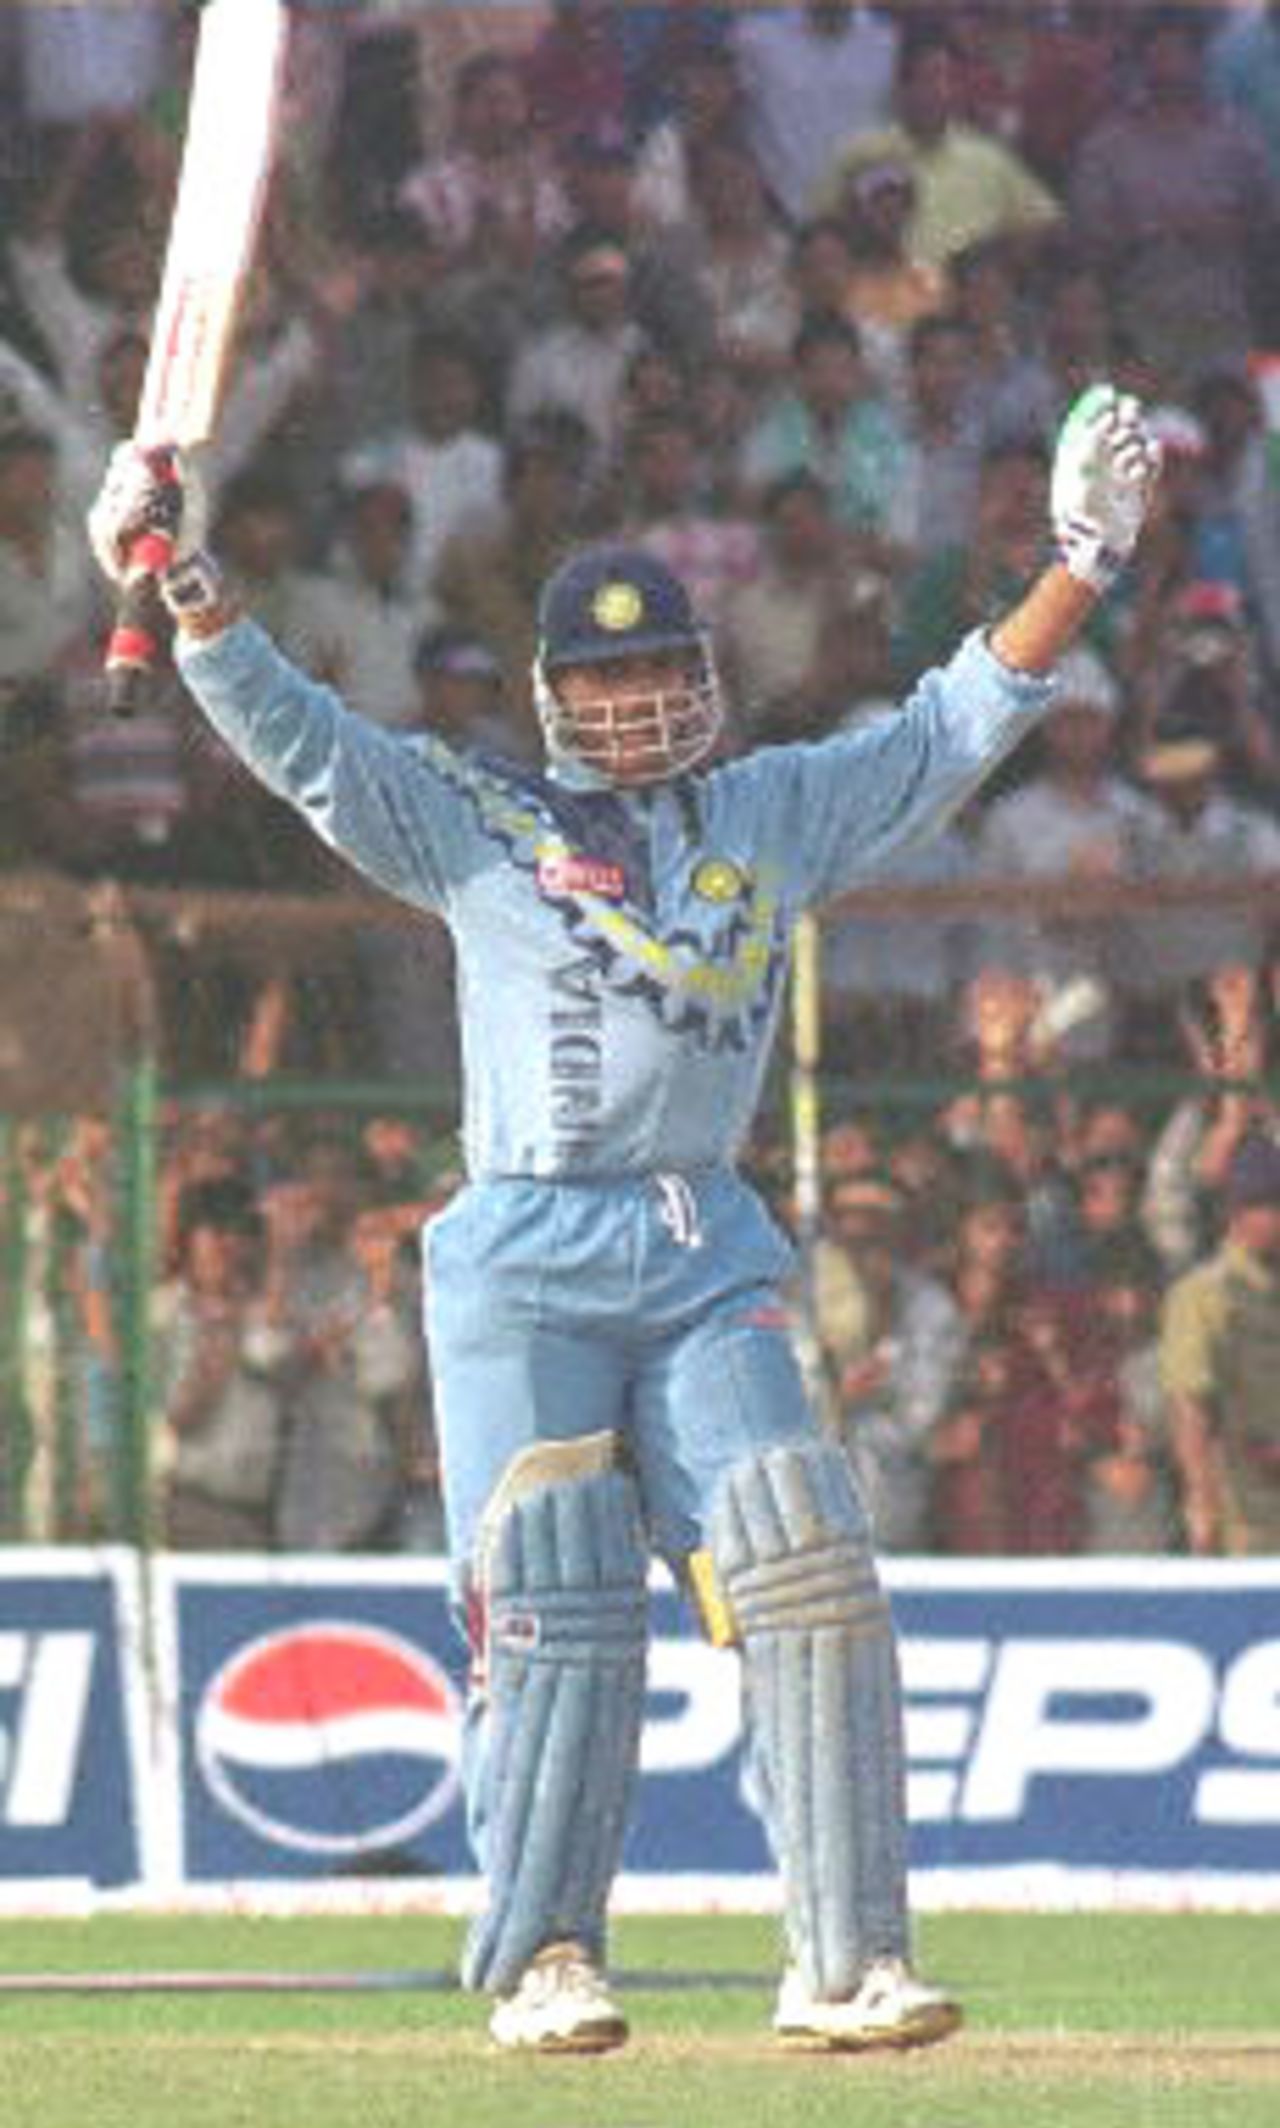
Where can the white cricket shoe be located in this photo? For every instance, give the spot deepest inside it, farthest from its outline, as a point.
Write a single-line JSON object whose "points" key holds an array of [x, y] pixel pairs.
{"points": [[890, 2008], [560, 2006]]}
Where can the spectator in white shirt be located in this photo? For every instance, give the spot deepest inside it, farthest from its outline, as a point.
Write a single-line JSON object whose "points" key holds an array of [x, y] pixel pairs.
{"points": [[812, 76], [1197, 829], [443, 459], [580, 362], [1073, 819]]}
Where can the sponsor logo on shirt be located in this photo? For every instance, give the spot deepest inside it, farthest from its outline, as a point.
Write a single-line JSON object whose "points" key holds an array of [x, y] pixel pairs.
{"points": [[571, 874]]}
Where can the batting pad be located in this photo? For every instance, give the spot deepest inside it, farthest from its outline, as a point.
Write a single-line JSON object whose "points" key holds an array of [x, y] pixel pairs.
{"points": [[555, 1730], [824, 1705]]}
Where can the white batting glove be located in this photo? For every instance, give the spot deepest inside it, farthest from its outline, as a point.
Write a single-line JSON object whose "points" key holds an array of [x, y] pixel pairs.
{"points": [[1105, 470], [146, 491]]}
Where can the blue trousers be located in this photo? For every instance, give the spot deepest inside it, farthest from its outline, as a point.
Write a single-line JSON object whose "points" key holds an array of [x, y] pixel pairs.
{"points": [[645, 1305]]}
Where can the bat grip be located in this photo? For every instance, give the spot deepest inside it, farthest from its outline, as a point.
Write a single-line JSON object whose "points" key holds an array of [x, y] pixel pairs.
{"points": [[139, 633]]}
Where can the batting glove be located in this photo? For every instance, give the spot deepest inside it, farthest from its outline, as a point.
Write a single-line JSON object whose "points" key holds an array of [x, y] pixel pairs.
{"points": [[146, 493], [1104, 474]]}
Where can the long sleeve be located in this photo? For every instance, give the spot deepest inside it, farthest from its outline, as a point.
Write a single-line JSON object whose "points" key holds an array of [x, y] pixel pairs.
{"points": [[835, 810], [383, 801]]}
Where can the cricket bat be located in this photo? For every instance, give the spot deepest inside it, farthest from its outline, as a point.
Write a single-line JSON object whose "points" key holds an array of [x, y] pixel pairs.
{"points": [[222, 186]]}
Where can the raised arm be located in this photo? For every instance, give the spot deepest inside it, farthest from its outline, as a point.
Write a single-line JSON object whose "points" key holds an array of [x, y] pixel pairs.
{"points": [[1104, 474], [832, 813], [387, 803]]}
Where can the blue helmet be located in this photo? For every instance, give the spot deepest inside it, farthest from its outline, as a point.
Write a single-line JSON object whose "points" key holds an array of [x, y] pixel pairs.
{"points": [[605, 606]]}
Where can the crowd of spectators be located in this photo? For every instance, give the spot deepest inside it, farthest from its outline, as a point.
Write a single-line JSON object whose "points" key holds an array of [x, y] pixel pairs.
{"points": [[795, 296]]}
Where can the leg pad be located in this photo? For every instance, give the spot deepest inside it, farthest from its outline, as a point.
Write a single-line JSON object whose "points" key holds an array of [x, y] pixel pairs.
{"points": [[791, 1542], [554, 1722]]}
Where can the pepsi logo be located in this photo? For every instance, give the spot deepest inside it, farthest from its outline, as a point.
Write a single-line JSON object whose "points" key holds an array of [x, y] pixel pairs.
{"points": [[331, 1738]]}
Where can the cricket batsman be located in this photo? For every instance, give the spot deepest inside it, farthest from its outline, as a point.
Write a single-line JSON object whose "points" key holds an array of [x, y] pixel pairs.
{"points": [[614, 1374]]}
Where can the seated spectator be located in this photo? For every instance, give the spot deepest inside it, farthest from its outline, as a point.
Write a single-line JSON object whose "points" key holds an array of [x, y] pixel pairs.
{"points": [[86, 252], [373, 135], [47, 597], [944, 435], [742, 261], [575, 64], [494, 197], [1109, 1189], [367, 384], [1074, 818], [830, 421], [1219, 1341], [369, 605], [1049, 1451], [489, 575], [1236, 504], [355, 1358], [1068, 83], [971, 1514], [957, 588], [1072, 346], [259, 534], [579, 363], [988, 45], [1165, 570], [665, 510], [667, 298], [969, 185], [892, 1357], [1131, 1494], [987, 1266], [80, 437], [1014, 1116], [988, 296], [851, 1145], [222, 1352], [799, 640], [444, 460], [1226, 1027], [1102, 1125], [656, 382], [822, 268], [1242, 71], [725, 411], [1195, 828], [138, 798], [1008, 1450], [448, 39], [889, 289], [80, 67], [931, 1172], [210, 1144], [705, 105], [1169, 194], [811, 76], [459, 693]]}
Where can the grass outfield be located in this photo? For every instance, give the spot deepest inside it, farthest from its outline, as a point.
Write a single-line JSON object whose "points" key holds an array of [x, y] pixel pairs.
{"points": [[1074, 2021]]}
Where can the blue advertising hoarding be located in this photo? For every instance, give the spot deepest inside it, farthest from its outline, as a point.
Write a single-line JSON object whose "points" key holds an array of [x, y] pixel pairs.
{"points": [[1075, 1730], [73, 1746]]}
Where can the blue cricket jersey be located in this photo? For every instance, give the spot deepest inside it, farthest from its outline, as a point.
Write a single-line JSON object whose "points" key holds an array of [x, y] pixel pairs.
{"points": [[621, 956]]}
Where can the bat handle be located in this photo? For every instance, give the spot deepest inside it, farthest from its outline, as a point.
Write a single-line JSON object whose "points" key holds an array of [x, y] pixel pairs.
{"points": [[138, 635]]}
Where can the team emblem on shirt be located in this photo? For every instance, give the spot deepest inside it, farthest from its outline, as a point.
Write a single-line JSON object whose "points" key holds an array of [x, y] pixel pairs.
{"points": [[617, 606], [720, 880]]}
